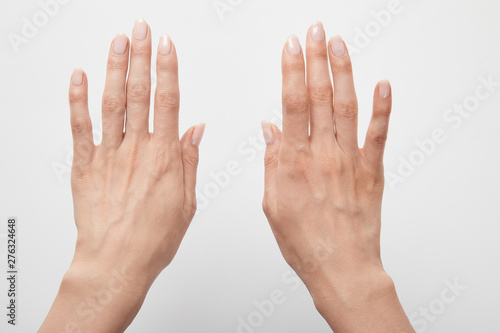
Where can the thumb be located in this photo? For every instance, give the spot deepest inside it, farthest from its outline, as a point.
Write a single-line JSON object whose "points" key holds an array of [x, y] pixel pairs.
{"points": [[272, 136], [190, 142]]}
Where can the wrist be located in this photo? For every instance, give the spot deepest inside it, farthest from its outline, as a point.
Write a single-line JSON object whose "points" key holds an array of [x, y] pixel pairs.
{"points": [[120, 281], [362, 302], [101, 298], [350, 290], [92, 299]]}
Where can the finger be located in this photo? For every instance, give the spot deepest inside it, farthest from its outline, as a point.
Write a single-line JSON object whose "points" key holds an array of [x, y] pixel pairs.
{"points": [[345, 105], [190, 142], [319, 85], [139, 81], [81, 125], [376, 135], [166, 114], [294, 94], [272, 136], [113, 99]]}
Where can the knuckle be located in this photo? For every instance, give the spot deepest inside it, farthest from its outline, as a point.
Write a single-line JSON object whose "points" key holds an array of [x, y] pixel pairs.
{"points": [[141, 51], [116, 64], [297, 164], [191, 160], [379, 140], [167, 66], [138, 91], [79, 180], [299, 169], [321, 93], [375, 184], [383, 113], [80, 127], [82, 173], [270, 160], [372, 182], [194, 207], [165, 160], [112, 104], [161, 167], [295, 102], [132, 158], [317, 52], [266, 206], [342, 66], [347, 109], [293, 65], [190, 207], [83, 151], [328, 163], [345, 207], [269, 206], [302, 151], [77, 97], [167, 99], [293, 152], [193, 202]]}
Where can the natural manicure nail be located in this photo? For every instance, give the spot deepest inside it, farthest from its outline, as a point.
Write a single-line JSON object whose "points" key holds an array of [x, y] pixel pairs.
{"points": [[120, 44], [77, 77], [337, 45], [384, 89], [267, 131], [293, 45], [198, 134], [140, 29], [318, 32], [165, 45]]}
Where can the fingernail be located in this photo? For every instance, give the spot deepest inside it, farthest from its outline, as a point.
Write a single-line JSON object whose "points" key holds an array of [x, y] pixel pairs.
{"points": [[337, 46], [267, 131], [198, 134], [318, 32], [165, 45], [384, 89], [140, 29], [293, 45], [120, 44], [77, 77]]}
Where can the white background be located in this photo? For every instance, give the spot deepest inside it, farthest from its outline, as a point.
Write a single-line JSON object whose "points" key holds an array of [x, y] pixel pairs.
{"points": [[441, 223]]}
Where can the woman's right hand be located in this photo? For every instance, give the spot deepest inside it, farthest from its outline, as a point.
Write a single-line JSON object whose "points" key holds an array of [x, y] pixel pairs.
{"points": [[323, 194]]}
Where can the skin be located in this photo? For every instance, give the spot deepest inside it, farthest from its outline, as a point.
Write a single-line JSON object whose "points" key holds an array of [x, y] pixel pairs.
{"points": [[323, 194], [134, 194]]}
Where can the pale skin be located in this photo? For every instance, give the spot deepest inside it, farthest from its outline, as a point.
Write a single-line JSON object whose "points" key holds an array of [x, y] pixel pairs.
{"points": [[134, 194], [323, 194]]}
